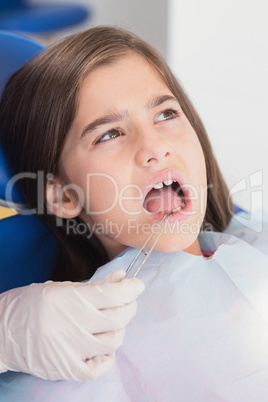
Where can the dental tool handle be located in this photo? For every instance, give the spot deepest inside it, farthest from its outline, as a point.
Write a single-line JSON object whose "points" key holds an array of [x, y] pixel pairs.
{"points": [[143, 247], [153, 246], [167, 215]]}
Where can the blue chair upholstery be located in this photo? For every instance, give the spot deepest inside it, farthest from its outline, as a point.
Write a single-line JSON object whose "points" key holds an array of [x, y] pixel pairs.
{"points": [[22, 16], [27, 247]]}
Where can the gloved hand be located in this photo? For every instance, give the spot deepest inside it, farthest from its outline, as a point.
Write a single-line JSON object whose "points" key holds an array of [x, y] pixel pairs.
{"points": [[66, 330]]}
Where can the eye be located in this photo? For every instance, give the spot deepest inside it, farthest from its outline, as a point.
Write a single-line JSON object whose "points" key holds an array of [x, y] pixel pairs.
{"points": [[166, 115], [109, 135]]}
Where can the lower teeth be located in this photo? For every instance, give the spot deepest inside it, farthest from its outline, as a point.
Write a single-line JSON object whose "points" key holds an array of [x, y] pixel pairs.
{"points": [[177, 209]]}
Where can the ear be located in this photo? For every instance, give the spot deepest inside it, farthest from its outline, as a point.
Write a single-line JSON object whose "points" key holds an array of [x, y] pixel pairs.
{"points": [[64, 201]]}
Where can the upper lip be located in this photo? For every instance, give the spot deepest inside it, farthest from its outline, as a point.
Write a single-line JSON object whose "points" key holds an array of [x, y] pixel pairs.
{"points": [[163, 176]]}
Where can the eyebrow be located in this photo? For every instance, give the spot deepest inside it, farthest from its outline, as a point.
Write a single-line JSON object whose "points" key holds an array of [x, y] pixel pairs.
{"points": [[109, 118], [118, 116], [158, 100]]}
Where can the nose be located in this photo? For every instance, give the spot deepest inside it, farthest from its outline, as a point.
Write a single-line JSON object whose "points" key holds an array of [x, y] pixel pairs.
{"points": [[152, 148]]}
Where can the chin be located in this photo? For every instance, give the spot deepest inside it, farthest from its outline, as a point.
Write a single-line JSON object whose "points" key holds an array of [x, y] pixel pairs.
{"points": [[176, 243]]}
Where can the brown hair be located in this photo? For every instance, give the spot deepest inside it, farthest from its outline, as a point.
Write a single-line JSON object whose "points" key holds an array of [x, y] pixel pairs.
{"points": [[38, 107]]}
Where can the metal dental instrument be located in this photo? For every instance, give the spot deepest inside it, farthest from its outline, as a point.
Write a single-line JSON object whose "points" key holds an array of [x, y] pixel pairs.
{"points": [[147, 253]]}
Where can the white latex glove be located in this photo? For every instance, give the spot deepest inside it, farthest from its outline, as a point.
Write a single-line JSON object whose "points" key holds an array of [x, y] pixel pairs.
{"points": [[66, 330]]}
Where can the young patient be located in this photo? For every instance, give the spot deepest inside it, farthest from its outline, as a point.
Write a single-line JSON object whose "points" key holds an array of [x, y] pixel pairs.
{"points": [[119, 145]]}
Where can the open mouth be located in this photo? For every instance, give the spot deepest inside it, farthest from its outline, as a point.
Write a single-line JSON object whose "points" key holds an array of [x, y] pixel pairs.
{"points": [[166, 196]]}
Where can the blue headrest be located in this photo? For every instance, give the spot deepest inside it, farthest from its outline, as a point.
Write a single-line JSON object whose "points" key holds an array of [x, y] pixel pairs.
{"points": [[27, 247], [15, 50]]}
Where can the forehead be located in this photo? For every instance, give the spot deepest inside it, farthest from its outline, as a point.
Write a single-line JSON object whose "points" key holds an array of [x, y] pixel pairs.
{"points": [[125, 76]]}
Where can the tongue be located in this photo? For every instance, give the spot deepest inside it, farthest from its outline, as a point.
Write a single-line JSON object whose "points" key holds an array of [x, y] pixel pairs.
{"points": [[162, 200]]}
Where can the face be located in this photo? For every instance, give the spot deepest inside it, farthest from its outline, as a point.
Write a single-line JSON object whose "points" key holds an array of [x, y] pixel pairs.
{"points": [[131, 156]]}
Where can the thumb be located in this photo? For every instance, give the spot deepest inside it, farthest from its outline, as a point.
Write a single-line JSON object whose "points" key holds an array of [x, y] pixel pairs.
{"points": [[127, 283], [113, 277], [116, 276]]}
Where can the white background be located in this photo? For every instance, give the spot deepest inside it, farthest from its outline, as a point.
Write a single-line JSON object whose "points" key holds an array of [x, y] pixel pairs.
{"points": [[219, 51]]}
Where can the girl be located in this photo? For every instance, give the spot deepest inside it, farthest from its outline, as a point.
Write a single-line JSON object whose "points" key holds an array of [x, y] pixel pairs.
{"points": [[119, 143]]}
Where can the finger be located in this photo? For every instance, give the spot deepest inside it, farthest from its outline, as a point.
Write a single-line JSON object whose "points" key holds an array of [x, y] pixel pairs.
{"points": [[85, 308], [114, 290], [119, 317], [92, 320], [99, 366], [84, 357], [107, 320], [100, 344], [111, 294], [116, 276], [111, 339]]}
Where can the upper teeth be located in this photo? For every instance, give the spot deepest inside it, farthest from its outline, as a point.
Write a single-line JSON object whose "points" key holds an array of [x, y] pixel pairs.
{"points": [[166, 182]]}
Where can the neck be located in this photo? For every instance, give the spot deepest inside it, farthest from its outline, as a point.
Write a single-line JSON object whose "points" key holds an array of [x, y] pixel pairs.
{"points": [[194, 248]]}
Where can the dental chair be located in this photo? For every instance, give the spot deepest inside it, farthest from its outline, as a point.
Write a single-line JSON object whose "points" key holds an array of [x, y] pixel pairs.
{"points": [[27, 247], [39, 19]]}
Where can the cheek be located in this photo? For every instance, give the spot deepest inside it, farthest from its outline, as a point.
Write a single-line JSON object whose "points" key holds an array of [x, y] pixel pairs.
{"points": [[191, 151], [101, 193], [202, 183], [100, 189], [195, 168], [197, 156], [200, 178]]}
